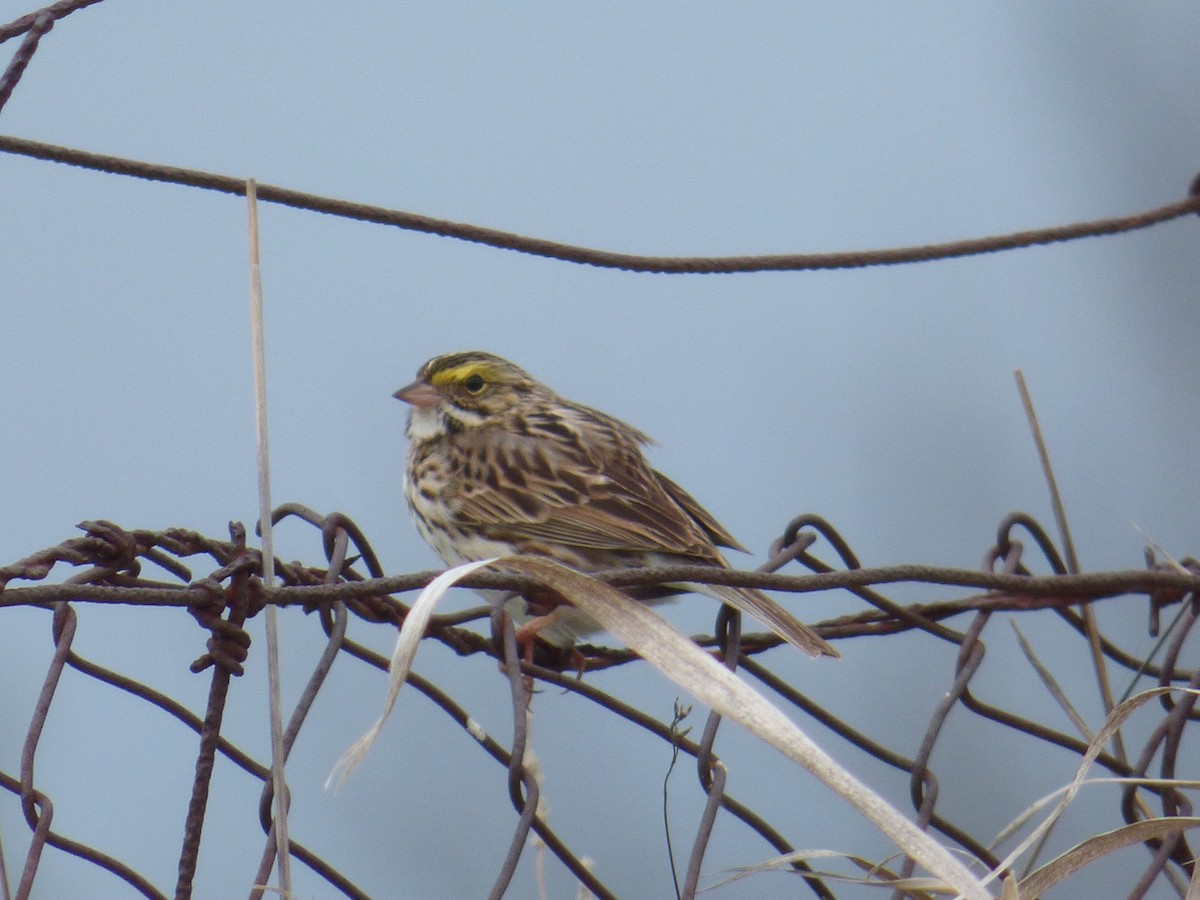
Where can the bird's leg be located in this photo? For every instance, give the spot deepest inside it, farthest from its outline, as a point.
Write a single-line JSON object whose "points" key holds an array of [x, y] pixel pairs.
{"points": [[527, 639], [547, 607], [527, 633], [579, 661], [544, 605]]}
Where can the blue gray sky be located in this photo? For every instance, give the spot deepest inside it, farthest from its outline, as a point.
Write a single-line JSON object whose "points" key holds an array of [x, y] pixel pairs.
{"points": [[882, 399]]}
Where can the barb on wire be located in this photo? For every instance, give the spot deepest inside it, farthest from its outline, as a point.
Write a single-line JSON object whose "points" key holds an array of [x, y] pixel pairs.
{"points": [[224, 665], [1009, 592]]}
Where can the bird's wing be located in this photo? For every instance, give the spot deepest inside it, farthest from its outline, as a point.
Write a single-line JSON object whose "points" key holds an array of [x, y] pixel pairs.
{"points": [[593, 492], [601, 494], [701, 516]]}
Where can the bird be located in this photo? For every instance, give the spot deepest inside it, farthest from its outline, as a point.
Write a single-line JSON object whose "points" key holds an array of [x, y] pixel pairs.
{"points": [[498, 463]]}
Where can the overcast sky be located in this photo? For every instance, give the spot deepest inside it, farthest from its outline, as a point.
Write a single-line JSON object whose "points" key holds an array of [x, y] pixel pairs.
{"points": [[882, 399]]}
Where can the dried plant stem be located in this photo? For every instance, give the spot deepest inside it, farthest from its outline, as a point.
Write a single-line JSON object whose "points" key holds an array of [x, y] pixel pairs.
{"points": [[1072, 560], [264, 516]]}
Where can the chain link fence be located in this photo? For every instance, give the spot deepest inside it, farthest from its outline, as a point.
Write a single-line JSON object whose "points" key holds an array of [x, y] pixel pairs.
{"points": [[109, 562]]}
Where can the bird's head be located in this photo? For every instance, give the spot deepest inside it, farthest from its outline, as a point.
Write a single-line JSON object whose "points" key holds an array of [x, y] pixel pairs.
{"points": [[466, 390]]}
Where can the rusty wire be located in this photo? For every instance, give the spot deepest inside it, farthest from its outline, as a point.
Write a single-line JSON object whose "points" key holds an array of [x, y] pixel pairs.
{"points": [[34, 25], [110, 557], [630, 262], [109, 560]]}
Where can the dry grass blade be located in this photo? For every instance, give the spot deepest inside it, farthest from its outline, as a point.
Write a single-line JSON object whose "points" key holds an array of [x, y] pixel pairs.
{"points": [[1060, 697], [677, 657], [1060, 514], [1193, 891], [1100, 845], [1060, 517], [1113, 722], [687, 665], [407, 643], [1052, 686], [1054, 797], [877, 874], [278, 757]]}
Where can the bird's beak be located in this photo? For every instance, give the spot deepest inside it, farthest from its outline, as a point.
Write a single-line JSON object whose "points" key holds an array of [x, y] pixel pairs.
{"points": [[420, 394]]}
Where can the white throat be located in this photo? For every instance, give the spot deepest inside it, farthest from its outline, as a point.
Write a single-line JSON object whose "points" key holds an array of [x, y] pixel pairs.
{"points": [[423, 424]]}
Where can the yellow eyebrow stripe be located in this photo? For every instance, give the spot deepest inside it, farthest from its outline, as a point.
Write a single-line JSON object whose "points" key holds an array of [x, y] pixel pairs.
{"points": [[461, 373]]}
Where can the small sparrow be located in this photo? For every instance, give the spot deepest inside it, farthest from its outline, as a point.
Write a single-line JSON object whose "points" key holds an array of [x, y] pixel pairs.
{"points": [[500, 464]]}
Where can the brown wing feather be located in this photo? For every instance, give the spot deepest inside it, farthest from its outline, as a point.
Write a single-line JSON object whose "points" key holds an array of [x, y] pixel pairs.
{"points": [[583, 482], [586, 485], [702, 517]]}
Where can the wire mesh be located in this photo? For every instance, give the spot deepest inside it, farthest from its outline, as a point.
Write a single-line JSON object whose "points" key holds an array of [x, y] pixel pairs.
{"points": [[109, 560]]}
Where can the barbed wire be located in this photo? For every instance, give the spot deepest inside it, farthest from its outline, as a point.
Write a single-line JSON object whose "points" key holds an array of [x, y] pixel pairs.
{"points": [[1017, 592], [110, 559]]}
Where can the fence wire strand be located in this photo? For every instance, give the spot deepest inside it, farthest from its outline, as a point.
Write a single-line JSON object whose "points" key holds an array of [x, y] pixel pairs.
{"points": [[36, 24], [631, 262]]}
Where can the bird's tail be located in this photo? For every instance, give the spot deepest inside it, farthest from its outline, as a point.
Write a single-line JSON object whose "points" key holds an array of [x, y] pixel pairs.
{"points": [[768, 612]]}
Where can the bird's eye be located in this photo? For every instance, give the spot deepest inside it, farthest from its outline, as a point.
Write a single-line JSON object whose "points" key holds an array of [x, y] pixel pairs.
{"points": [[474, 384]]}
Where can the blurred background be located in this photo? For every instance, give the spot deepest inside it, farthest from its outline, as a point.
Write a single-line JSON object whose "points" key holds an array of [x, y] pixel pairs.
{"points": [[882, 399]]}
